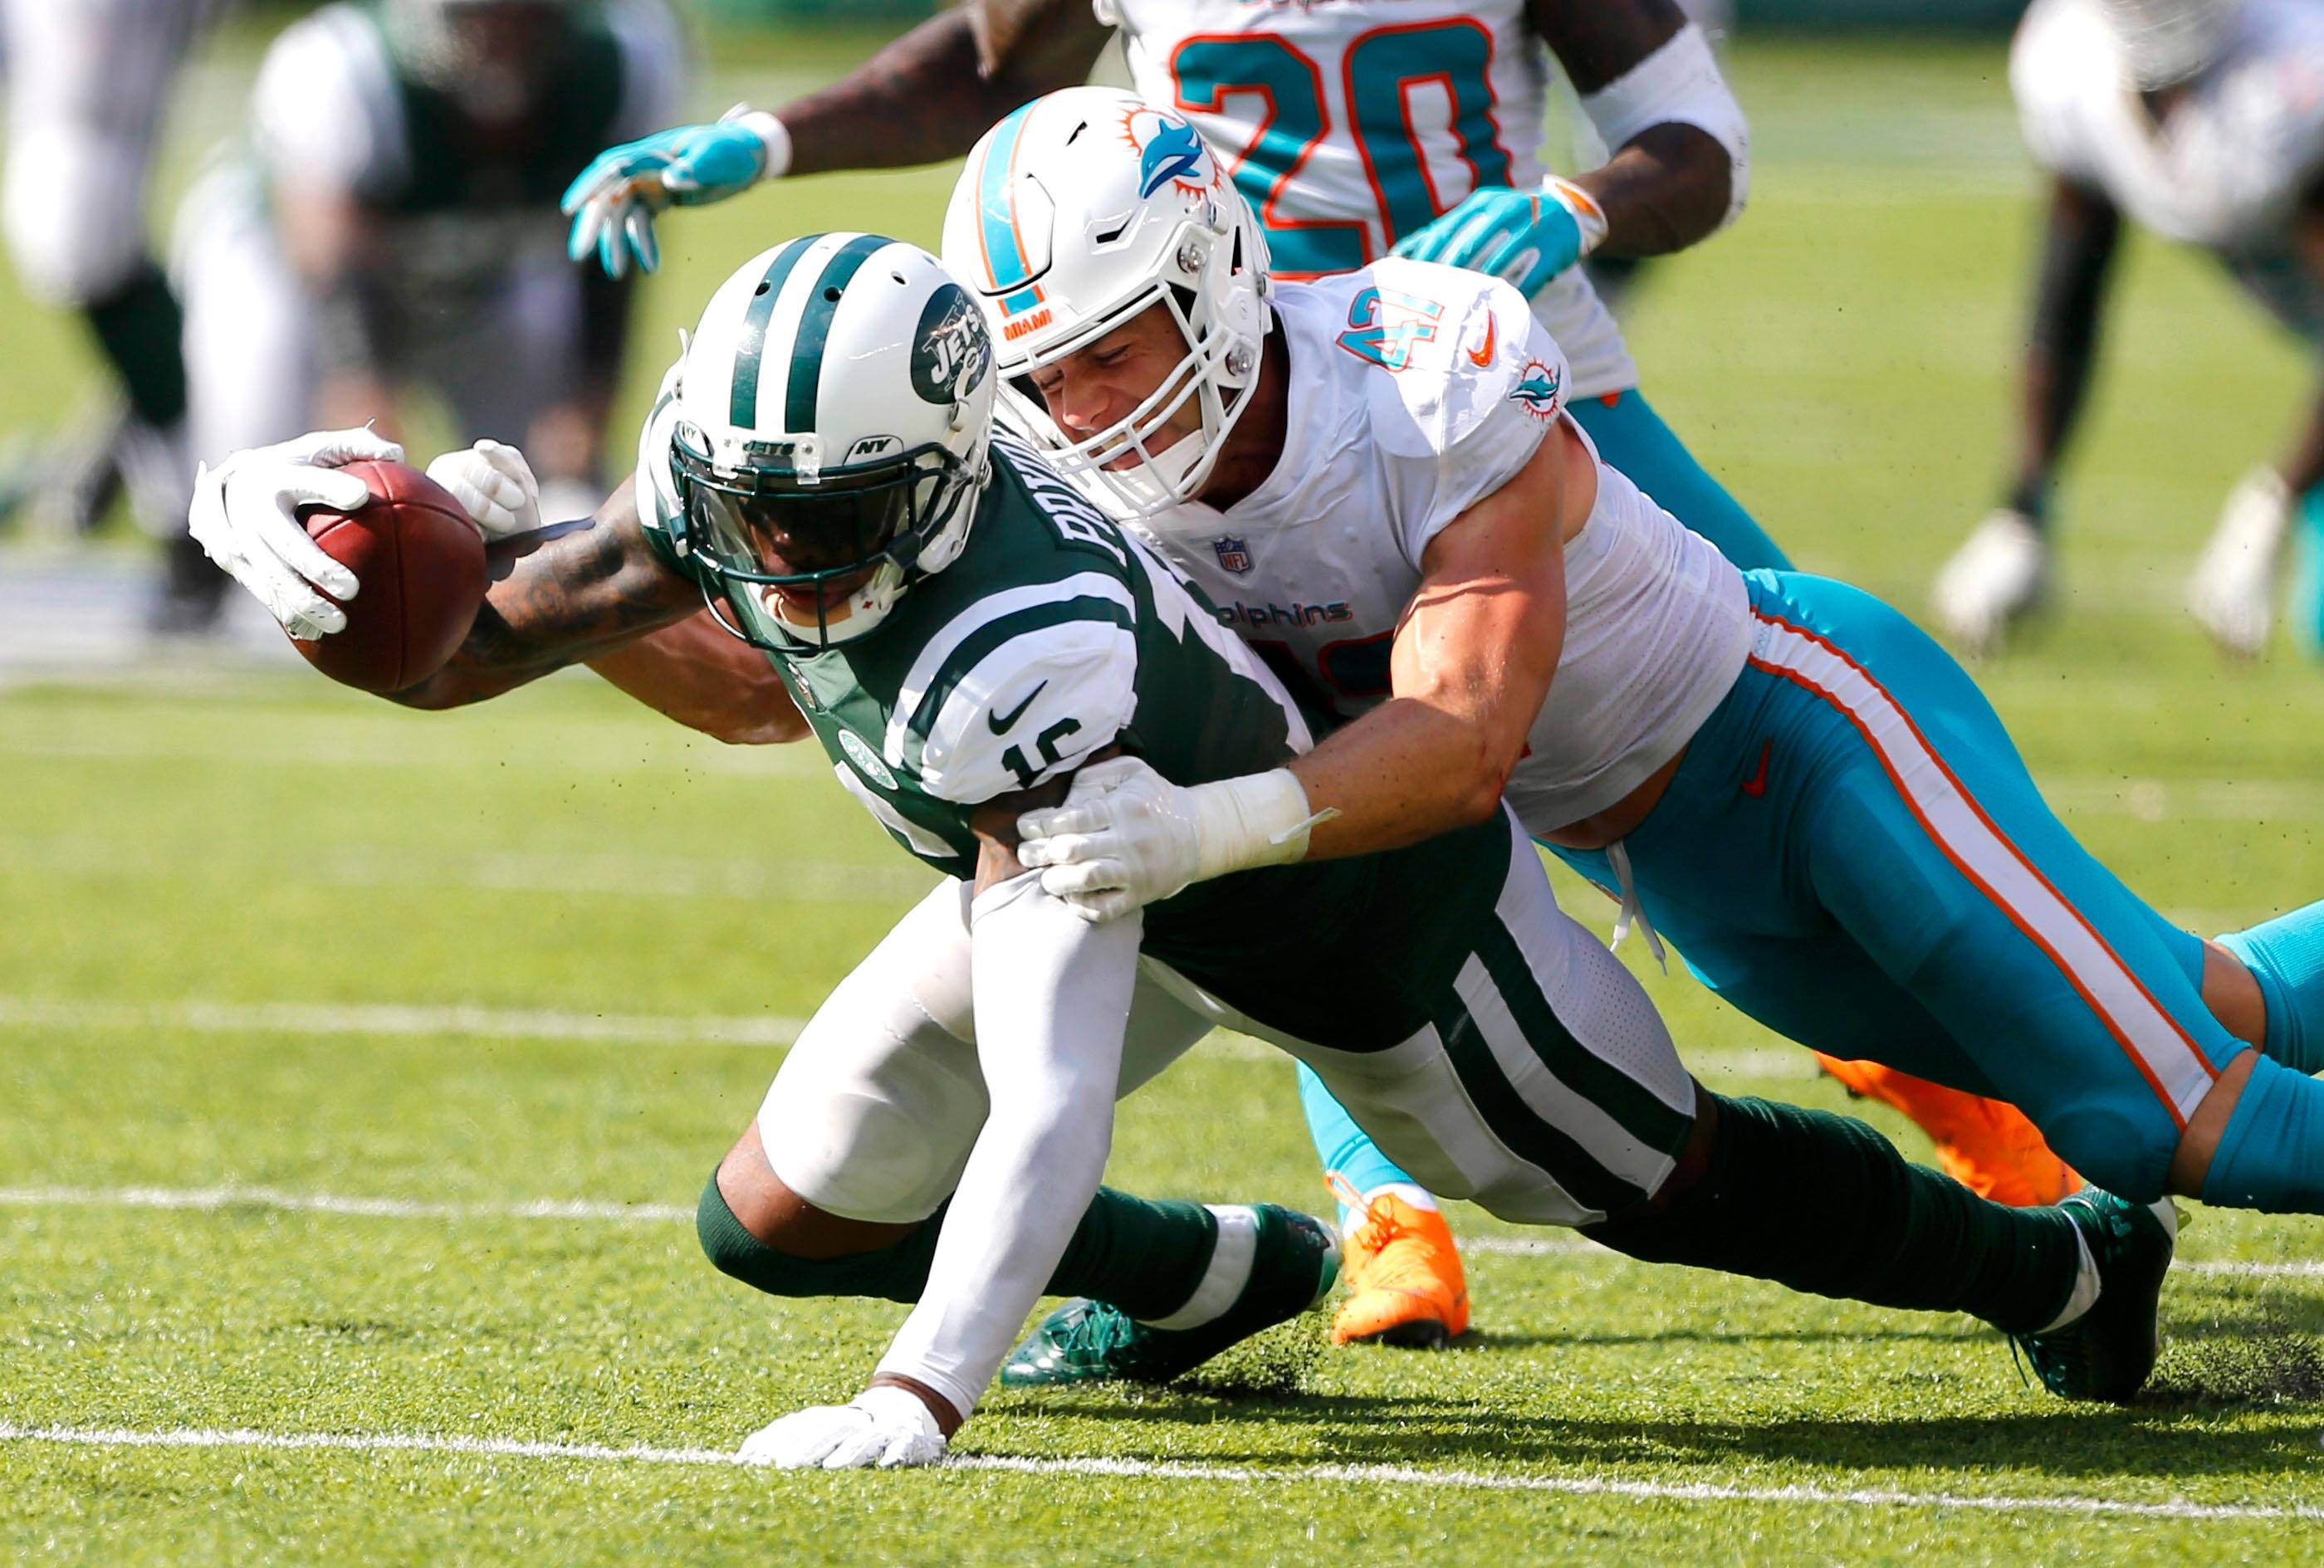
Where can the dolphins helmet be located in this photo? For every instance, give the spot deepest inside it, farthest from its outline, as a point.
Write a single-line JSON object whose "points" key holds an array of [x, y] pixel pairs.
{"points": [[1078, 212], [829, 436]]}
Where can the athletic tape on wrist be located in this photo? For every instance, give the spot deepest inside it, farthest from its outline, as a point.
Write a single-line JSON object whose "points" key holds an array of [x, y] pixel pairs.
{"points": [[1678, 84]]}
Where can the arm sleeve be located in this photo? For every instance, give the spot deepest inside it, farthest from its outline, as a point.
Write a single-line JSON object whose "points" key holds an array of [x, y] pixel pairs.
{"points": [[1679, 84], [1052, 1006], [1471, 408]]}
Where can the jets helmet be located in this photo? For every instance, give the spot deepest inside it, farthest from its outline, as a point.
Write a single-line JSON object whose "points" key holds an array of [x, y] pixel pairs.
{"points": [[829, 436], [1079, 211]]}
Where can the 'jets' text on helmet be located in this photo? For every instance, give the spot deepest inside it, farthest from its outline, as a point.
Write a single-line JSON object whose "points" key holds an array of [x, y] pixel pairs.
{"points": [[832, 432], [1076, 213]]}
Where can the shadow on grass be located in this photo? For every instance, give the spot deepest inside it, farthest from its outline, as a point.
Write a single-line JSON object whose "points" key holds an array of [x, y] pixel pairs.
{"points": [[2061, 1441]]}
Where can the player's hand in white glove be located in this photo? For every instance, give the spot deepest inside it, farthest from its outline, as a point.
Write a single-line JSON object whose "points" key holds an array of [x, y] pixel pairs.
{"points": [[883, 1425], [245, 517], [1126, 837], [494, 486]]}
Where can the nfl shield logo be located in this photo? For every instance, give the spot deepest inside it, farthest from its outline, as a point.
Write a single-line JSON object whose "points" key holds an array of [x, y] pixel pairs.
{"points": [[1234, 555]]}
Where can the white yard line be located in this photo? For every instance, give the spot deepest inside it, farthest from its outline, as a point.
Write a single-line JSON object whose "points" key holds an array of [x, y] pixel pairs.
{"points": [[351, 1018], [229, 1196], [1148, 1470]]}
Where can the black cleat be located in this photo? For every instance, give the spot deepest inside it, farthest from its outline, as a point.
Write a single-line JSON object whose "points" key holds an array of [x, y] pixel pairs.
{"points": [[2107, 1352]]}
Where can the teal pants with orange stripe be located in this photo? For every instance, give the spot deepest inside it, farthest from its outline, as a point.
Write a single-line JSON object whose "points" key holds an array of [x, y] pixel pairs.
{"points": [[1631, 436], [1853, 853]]}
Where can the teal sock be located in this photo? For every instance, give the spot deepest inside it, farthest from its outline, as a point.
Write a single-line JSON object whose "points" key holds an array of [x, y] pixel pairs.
{"points": [[1143, 1256], [1824, 1204], [2271, 1157], [1342, 1145], [2286, 957], [2304, 608]]}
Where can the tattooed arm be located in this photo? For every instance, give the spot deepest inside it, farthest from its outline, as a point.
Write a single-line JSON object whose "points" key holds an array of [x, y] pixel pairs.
{"points": [[934, 91], [595, 592]]}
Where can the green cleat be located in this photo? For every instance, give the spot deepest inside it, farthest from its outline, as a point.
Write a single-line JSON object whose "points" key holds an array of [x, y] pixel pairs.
{"points": [[2108, 1352], [1295, 1262]]}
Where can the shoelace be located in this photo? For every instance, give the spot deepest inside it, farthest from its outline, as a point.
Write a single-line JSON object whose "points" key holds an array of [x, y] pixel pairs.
{"points": [[1380, 1226]]}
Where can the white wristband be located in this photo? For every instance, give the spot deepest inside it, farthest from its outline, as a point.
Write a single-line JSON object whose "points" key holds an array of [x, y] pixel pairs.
{"points": [[776, 137], [1588, 215], [1260, 819]]}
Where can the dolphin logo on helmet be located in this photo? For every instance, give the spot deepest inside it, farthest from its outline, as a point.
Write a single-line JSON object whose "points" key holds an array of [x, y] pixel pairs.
{"points": [[1172, 153]]}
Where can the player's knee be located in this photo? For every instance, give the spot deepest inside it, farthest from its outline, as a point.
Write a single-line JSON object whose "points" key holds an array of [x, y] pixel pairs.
{"points": [[2123, 1149], [70, 211]]}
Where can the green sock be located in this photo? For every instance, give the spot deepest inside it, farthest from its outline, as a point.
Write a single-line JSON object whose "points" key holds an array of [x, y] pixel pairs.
{"points": [[140, 325], [1145, 1257], [1824, 1204]]}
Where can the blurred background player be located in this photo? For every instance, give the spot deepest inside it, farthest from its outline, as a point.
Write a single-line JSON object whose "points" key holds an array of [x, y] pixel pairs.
{"points": [[1353, 130], [393, 227], [89, 85], [2204, 121]]}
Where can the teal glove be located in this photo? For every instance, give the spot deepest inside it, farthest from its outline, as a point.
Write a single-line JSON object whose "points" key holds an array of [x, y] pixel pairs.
{"points": [[1526, 237], [613, 201]]}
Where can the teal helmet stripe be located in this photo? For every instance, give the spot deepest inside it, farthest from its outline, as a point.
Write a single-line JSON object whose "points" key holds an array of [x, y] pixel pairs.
{"points": [[742, 403], [815, 328]]}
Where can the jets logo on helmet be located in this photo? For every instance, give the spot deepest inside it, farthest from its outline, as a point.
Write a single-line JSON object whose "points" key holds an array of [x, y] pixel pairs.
{"points": [[1077, 213], [952, 349], [1169, 151], [830, 437]]}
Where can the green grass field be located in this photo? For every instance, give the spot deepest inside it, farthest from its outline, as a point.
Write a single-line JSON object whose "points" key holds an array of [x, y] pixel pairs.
{"points": [[358, 1068]]}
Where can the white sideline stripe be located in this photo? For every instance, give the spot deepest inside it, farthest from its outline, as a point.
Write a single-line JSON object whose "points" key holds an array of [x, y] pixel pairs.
{"points": [[318, 1018], [1150, 1470], [383, 1208], [1963, 833], [229, 1196]]}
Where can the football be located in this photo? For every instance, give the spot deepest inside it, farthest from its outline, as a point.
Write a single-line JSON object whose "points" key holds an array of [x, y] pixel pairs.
{"points": [[421, 563]]}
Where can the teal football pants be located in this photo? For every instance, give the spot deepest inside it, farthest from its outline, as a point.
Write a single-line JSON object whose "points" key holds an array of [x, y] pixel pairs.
{"points": [[1853, 853], [1632, 438]]}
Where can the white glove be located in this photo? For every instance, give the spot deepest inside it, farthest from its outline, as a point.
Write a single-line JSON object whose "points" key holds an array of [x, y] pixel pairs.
{"points": [[1126, 837], [245, 517], [883, 1425], [494, 486]]}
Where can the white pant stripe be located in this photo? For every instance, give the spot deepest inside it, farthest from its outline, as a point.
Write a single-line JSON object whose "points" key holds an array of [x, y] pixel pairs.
{"points": [[2165, 1056]]}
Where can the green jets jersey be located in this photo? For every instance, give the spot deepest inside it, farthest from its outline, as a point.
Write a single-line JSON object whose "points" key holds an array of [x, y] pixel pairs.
{"points": [[1055, 636]]}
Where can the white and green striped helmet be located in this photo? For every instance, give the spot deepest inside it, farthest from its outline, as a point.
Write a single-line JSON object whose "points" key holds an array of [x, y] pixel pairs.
{"points": [[834, 418]]}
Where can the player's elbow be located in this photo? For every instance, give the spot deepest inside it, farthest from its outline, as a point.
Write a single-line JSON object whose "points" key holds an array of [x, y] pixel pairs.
{"points": [[1482, 774]]}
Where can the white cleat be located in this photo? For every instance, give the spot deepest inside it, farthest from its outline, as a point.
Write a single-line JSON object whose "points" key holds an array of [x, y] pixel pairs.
{"points": [[1999, 576], [2233, 588]]}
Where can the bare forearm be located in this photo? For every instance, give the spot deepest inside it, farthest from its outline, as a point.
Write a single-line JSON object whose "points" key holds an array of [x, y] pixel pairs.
{"points": [[565, 594], [1404, 772], [1663, 192], [934, 91], [707, 679]]}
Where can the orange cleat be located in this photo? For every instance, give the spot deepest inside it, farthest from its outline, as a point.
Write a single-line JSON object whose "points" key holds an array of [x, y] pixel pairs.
{"points": [[1405, 1283], [1986, 1146]]}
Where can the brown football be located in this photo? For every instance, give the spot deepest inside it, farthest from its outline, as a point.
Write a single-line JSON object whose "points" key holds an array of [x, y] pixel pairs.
{"points": [[419, 564]]}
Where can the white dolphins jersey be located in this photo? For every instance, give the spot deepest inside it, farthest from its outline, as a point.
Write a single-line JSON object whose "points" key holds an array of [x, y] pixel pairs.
{"points": [[1349, 125], [1415, 392], [2226, 170]]}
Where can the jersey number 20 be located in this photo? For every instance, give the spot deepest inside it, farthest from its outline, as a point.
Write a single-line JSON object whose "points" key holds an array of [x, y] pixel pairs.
{"points": [[1379, 68]]}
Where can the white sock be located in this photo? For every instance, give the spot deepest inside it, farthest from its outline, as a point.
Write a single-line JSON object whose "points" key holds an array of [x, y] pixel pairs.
{"points": [[1229, 1271], [2085, 1288]]}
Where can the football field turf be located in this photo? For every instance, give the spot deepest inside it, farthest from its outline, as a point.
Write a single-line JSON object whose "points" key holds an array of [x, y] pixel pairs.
{"points": [[358, 1068]]}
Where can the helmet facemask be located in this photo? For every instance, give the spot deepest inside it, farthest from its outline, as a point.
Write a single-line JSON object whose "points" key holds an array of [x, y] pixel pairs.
{"points": [[790, 544], [1216, 374]]}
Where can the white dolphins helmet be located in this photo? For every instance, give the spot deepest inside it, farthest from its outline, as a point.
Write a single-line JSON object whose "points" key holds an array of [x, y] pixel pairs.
{"points": [[1076, 213], [2166, 42], [832, 431]]}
